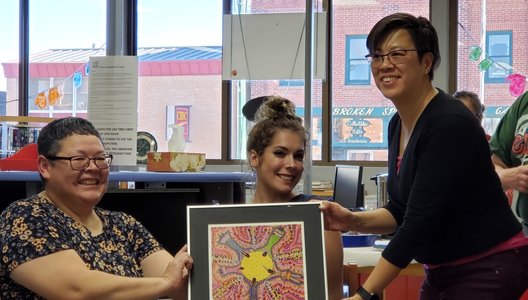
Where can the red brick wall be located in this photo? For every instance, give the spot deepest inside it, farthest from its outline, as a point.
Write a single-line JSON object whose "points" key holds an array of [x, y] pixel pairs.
{"points": [[499, 17]]}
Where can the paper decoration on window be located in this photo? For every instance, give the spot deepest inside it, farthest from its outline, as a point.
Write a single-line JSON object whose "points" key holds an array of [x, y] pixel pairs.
{"points": [[485, 64], [40, 100], [475, 53], [77, 79], [517, 84], [517, 81], [54, 96], [87, 69]]}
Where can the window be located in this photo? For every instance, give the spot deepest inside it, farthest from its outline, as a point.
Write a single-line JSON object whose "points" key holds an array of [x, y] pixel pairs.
{"points": [[359, 113], [359, 155], [490, 24], [357, 69], [3, 103], [180, 60], [9, 27], [182, 67], [291, 88], [499, 50], [59, 46], [59, 51], [287, 83]]}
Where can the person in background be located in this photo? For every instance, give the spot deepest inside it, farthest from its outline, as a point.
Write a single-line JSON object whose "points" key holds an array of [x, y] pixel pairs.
{"points": [[59, 245], [472, 101], [275, 147], [445, 201], [509, 153]]}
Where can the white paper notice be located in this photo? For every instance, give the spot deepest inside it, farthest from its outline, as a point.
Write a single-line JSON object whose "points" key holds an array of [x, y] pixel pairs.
{"points": [[112, 104]]}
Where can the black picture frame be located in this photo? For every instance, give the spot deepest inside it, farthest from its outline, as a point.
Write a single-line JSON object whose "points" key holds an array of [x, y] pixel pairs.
{"points": [[209, 223]]}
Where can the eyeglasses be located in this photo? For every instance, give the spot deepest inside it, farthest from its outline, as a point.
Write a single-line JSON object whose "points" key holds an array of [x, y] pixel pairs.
{"points": [[395, 57], [80, 163]]}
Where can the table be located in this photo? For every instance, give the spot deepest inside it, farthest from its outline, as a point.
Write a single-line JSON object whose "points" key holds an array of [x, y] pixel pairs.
{"points": [[360, 261], [323, 193]]}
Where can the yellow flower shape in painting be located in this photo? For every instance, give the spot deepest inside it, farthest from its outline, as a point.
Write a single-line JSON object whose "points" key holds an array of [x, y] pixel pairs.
{"points": [[257, 266]]}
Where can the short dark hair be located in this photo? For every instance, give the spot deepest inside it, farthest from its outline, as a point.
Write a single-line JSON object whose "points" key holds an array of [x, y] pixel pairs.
{"points": [[475, 101], [274, 114], [53, 133], [422, 32]]}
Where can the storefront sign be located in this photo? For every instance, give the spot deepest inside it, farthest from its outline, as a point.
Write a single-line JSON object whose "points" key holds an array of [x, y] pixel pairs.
{"points": [[182, 119], [346, 112]]}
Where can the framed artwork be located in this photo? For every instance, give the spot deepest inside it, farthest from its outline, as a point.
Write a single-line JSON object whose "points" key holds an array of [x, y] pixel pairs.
{"points": [[257, 251]]}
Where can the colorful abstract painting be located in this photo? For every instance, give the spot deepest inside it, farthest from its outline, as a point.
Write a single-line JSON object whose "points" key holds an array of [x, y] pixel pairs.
{"points": [[256, 251], [257, 261]]}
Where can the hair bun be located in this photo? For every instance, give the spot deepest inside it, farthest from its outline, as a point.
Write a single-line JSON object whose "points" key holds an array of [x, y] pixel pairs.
{"points": [[276, 107]]}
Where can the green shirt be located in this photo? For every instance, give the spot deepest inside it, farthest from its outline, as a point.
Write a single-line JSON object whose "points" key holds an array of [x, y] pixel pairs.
{"points": [[510, 143]]}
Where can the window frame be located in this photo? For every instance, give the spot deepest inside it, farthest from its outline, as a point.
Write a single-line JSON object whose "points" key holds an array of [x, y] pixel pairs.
{"points": [[291, 82], [360, 60], [489, 34], [130, 38]]}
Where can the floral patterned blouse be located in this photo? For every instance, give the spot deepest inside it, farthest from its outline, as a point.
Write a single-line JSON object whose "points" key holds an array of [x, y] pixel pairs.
{"points": [[35, 227]]}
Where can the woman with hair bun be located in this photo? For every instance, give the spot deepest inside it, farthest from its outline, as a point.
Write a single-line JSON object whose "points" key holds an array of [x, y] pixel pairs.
{"points": [[276, 147]]}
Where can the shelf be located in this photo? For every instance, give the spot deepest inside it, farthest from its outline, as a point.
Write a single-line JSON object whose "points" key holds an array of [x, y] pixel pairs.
{"points": [[25, 119]]}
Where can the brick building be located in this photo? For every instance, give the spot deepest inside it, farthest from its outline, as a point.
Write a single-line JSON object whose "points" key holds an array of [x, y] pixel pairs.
{"points": [[178, 80]]}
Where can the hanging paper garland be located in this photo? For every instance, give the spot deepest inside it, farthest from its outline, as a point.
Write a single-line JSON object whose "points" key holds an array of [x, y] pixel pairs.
{"points": [[40, 100], [517, 81], [485, 64], [475, 53], [53, 96], [87, 69], [77, 79], [517, 84]]}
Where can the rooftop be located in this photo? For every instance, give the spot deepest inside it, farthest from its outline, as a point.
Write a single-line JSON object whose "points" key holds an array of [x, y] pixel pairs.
{"points": [[144, 54]]}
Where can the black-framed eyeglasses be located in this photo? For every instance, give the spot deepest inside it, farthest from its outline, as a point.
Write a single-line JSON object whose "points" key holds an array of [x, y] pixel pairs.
{"points": [[80, 163], [396, 57]]}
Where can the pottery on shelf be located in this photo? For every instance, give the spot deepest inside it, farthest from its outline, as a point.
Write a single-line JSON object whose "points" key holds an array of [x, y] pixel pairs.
{"points": [[177, 140]]}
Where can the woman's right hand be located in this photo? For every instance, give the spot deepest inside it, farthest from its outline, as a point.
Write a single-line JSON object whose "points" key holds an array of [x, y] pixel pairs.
{"points": [[511, 178], [177, 274], [336, 217]]}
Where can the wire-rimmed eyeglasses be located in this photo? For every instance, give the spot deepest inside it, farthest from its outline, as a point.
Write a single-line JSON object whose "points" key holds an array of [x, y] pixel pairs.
{"points": [[395, 57], [80, 163]]}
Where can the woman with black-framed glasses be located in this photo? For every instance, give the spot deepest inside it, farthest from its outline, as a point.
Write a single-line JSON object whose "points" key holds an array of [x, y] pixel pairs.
{"points": [[446, 206], [59, 245]]}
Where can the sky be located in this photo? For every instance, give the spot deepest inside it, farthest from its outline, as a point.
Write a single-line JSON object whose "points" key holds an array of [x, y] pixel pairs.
{"points": [[56, 24]]}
